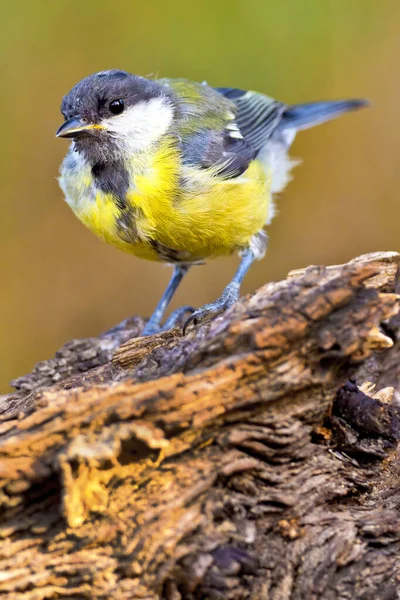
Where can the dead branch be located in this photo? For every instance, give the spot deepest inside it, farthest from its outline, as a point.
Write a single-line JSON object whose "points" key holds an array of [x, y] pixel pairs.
{"points": [[240, 461]]}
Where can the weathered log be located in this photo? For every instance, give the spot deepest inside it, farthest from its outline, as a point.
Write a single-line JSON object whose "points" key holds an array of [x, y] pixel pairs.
{"points": [[239, 461]]}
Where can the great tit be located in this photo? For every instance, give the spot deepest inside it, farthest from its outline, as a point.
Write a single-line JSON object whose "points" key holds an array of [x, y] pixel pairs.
{"points": [[176, 171]]}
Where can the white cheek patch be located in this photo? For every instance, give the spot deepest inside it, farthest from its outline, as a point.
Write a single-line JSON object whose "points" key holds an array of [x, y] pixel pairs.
{"points": [[142, 124]]}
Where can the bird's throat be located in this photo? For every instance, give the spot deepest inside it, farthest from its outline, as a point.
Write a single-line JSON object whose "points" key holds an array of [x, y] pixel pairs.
{"points": [[107, 166]]}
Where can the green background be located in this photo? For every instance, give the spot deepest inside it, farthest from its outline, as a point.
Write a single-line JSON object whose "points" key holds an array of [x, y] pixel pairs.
{"points": [[58, 280]]}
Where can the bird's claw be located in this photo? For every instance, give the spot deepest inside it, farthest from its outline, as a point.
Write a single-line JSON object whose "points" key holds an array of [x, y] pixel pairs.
{"points": [[229, 296], [175, 318]]}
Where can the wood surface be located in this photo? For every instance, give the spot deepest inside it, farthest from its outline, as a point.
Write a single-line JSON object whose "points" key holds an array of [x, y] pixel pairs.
{"points": [[256, 457]]}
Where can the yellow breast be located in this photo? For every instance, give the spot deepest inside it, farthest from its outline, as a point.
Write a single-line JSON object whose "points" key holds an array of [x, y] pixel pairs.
{"points": [[188, 210]]}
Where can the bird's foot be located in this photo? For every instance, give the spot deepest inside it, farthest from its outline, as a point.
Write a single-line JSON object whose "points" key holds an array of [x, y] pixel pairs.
{"points": [[174, 319], [229, 296], [177, 317]]}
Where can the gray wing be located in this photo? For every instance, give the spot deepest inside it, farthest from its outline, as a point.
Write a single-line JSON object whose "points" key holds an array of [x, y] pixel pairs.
{"points": [[228, 156], [257, 116], [232, 148]]}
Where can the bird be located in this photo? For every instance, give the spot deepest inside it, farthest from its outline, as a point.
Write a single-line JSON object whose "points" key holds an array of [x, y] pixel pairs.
{"points": [[180, 172]]}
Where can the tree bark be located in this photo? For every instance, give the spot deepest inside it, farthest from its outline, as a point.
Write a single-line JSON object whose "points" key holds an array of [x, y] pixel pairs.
{"points": [[256, 457]]}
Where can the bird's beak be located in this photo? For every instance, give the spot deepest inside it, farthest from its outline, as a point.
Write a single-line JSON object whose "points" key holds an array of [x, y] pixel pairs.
{"points": [[75, 126]]}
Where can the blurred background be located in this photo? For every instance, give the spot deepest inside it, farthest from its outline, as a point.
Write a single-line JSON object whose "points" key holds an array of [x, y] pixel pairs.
{"points": [[60, 282]]}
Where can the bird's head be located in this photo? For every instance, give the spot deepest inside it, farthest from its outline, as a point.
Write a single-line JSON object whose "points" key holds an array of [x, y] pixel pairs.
{"points": [[116, 109]]}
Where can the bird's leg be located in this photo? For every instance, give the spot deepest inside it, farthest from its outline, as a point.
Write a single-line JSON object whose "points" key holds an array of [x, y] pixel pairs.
{"points": [[229, 295], [153, 325]]}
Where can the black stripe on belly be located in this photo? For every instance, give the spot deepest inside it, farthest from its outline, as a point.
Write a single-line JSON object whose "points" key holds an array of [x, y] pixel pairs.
{"points": [[112, 178], [170, 254]]}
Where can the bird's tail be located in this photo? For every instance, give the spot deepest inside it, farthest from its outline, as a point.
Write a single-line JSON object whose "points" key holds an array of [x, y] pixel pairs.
{"points": [[303, 116]]}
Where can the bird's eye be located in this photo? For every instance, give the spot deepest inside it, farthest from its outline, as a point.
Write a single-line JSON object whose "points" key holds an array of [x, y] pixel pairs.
{"points": [[117, 106]]}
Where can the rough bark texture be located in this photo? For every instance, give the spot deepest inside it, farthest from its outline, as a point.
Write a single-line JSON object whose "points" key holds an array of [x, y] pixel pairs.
{"points": [[240, 461]]}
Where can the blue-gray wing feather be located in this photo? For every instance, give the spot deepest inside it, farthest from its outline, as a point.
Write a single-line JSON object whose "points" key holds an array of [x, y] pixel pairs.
{"points": [[214, 149], [230, 150], [257, 116]]}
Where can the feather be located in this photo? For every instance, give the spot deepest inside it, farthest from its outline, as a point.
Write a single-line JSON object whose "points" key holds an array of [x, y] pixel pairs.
{"points": [[302, 116], [257, 116]]}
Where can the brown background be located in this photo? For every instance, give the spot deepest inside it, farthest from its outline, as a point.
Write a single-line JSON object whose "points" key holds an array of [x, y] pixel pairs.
{"points": [[58, 280]]}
